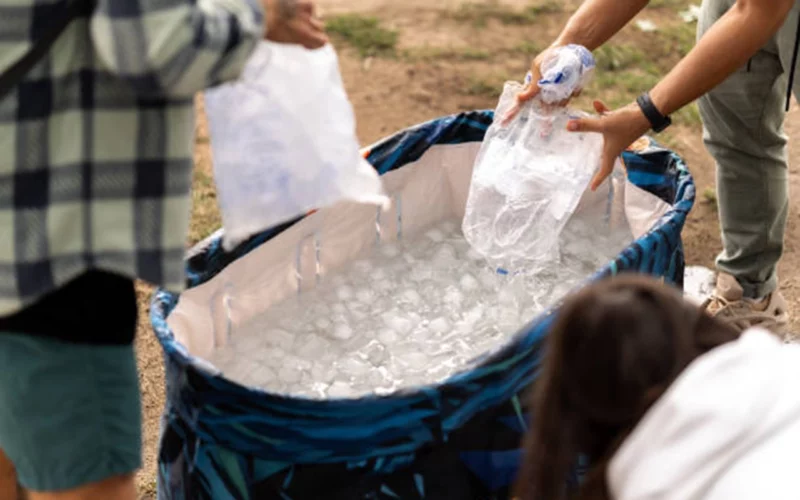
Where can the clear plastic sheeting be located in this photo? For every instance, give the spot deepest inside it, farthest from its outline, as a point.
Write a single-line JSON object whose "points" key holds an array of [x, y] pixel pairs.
{"points": [[284, 141], [528, 178]]}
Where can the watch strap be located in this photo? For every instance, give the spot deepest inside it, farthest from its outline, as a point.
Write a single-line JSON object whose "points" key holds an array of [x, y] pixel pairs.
{"points": [[658, 121]]}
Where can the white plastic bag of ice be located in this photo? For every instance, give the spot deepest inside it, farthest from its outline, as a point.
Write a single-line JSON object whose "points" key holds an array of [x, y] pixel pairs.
{"points": [[284, 142]]}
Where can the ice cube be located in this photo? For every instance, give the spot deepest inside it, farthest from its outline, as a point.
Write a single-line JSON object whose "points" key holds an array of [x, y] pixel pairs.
{"points": [[390, 250], [473, 255], [489, 279], [453, 297], [439, 325], [313, 347], [393, 320], [365, 295], [375, 353], [322, 323], [289, 374], [363, 266], [358, 314], [341, 390], [240, 372], [354, 367], [281, 339], [303, 365], [323, 373], [435, 235], [415, 360], [506, 298], [473, 315], [531, 313], [337, 280], [421, 335], [421, 274], [249, 341], [411, 296], [342, 332], [383, 286], [445, 255], [388, 336], [273, 355], [469, 283], [438, 372], [448, 228], [344, 293]]}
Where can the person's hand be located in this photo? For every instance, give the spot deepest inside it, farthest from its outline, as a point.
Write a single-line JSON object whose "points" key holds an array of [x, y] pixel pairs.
{"points": [[532, 88], [620, 129], [293, 22]]}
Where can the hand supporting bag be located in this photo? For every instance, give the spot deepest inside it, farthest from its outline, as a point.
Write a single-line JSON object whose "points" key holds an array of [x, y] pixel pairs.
{"points": [[283, 141]]}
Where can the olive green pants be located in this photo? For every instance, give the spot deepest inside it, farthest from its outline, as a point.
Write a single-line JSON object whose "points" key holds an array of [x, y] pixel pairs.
{"points": [[743, 131]]}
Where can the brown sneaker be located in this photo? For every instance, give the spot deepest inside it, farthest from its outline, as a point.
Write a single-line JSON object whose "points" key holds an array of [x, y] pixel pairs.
{"points": [[728, 304]]}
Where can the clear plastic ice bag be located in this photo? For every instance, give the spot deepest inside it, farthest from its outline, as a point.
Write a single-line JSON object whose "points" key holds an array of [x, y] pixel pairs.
{"points": [[527, 181], [283, 141]]}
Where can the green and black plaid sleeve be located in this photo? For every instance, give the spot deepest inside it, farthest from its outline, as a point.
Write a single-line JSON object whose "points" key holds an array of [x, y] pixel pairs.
{"points": [[96, 142]]}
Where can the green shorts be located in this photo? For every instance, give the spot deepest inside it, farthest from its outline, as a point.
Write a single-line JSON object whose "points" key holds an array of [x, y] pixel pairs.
{"points": [[70, 414]]}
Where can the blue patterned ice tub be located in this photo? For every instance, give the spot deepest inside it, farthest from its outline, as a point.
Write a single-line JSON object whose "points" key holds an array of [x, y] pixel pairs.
{"points": [[459, 440]]}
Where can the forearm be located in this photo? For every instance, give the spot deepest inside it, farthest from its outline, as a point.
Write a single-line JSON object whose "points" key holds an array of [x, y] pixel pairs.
{"points": [[177, 47], [727, 46], [598, 20]]}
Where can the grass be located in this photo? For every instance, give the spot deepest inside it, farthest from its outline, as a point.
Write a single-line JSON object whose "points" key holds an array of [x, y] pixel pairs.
{"points": [[689, 115], [364, 33], [479, 14], [546, 7], [490, 87], [661, 4], [528, 48], [428, 54], [710, 196], [678, 39], [205, 214], [612, 58]]}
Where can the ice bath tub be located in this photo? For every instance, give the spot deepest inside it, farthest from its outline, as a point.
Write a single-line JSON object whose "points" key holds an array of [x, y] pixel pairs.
{"points": [[456, 440]]}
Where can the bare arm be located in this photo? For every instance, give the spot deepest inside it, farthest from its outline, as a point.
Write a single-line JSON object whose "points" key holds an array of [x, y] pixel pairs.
{"points": [[736, 37], [591, 25], [179, 47], [596, 21], [727, 46]]}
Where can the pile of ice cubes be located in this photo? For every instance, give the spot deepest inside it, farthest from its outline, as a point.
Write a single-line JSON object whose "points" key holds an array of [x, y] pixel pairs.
{"points": [[410, 313]]}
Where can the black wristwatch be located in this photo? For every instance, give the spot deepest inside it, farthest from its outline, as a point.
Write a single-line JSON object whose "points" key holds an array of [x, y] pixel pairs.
{"points": [[658, 121]]}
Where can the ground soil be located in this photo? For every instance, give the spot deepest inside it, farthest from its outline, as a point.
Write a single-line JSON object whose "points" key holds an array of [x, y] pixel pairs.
{"points": [[450, 58]]}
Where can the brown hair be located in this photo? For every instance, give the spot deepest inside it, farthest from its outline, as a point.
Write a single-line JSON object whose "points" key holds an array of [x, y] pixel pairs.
{"points": [[617, 345]]}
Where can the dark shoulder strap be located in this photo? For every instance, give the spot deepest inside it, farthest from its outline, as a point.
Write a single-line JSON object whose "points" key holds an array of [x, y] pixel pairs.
{"points": [[13, 75]]}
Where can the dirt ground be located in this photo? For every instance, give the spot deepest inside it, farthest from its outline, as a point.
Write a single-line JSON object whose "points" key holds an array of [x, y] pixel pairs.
{"points": [[408, 62]]}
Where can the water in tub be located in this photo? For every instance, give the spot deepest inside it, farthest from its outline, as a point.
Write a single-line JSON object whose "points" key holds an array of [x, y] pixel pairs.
{"points": [[410, 313]]}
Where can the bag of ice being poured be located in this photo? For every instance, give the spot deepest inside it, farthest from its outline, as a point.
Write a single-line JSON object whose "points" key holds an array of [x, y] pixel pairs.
{"points": [[283, 141], [528, 179]]}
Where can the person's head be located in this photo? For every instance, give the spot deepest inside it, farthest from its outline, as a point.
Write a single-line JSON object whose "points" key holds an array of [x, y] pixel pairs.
{"points": [[616, 346]]}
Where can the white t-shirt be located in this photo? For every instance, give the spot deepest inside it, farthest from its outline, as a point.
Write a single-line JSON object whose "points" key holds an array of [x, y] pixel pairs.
{"points": [[727, 429]]}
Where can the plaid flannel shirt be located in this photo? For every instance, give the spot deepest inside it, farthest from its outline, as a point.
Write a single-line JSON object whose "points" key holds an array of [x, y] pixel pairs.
{"points": [[96, 142]]}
